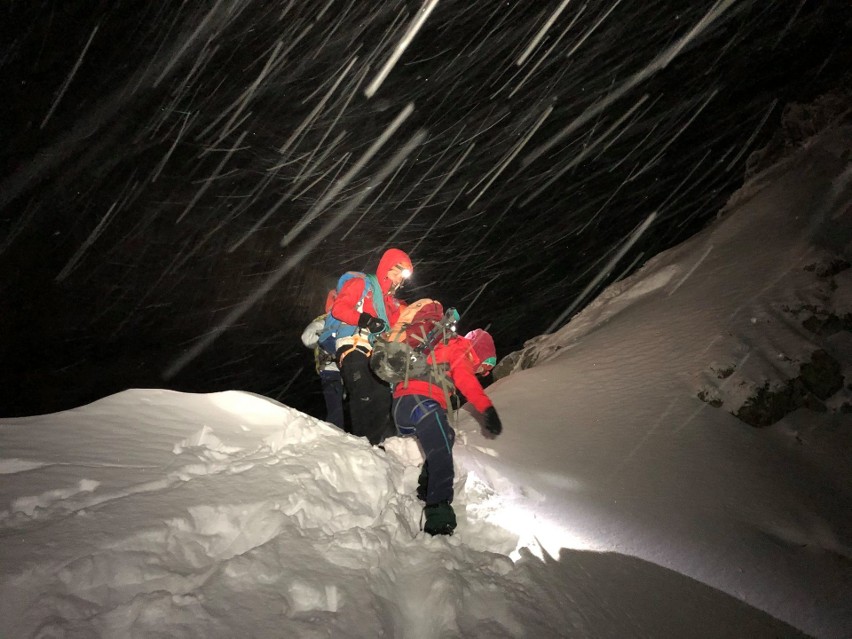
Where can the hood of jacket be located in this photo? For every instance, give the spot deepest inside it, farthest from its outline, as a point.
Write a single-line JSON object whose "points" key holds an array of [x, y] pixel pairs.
{"points": [[482, 345], [391, 258]]}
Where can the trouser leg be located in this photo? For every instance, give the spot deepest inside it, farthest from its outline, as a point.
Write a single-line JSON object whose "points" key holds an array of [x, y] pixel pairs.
{"points": [[426, 420], [369, 398], [332, 390]]}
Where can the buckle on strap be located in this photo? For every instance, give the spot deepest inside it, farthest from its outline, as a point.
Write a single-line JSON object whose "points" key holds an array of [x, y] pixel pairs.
{"points": [[358, 344], [423, 409]]}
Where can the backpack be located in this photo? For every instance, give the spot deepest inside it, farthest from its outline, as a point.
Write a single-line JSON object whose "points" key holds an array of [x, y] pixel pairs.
{"points": [[402, 354], [333, 327]]}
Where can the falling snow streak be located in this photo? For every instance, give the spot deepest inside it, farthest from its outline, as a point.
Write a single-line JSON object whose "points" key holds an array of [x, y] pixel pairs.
{"points": [[378, 198], [689, 273], [212, 178], [512, 154], [555, 127], [672, 138], [171, 150], [493, 225], [340, 184], [70, 77], [296, 257], [319, 107], [591, 30], [200, 63], [248, 94], [676, 191], [546, 54], [289, 194], [545, 27], [321, 144], [603, 273], [659, 62], [478, 294], [188, 42], [419, 21], [66, 271], [748, 142], [401, 227], [438, 219], [587, 150], [624, 129], [335, 168]]}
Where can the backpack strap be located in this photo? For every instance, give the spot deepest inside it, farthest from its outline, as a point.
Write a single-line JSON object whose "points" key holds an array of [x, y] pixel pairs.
{"points": [[378, 298], [355, 347]]}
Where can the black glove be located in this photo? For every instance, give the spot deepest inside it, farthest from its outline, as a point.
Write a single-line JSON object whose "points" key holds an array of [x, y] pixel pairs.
{"points": [[492, 421], [372, 324]]}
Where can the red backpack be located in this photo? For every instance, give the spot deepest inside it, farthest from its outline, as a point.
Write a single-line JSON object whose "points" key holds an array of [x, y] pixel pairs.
{"points": [[402, 353]]}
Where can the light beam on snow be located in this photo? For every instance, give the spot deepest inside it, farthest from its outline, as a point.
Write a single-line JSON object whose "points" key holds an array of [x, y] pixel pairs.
{"points": [[297, 256], [604, 272], [70, 77], [415, 26], [544, 29]]}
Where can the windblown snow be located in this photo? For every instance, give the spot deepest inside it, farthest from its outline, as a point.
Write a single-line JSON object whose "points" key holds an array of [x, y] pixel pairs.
{"points": [[616, 503]]}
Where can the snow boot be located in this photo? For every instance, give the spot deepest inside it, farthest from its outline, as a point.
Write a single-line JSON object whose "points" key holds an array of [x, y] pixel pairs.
{"points": [[423, 483], [440, 519]]}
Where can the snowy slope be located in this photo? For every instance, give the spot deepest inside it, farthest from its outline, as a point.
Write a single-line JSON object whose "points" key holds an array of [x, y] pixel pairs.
{"points": [[656, 473], [155, 513]]}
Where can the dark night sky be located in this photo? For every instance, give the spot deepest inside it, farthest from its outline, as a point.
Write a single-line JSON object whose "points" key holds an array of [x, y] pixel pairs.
{"points": [[172, 173]]}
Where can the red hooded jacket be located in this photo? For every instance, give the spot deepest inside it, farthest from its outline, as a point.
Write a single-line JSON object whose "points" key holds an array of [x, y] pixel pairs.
{"points": [[463, 361], [345, 307]]}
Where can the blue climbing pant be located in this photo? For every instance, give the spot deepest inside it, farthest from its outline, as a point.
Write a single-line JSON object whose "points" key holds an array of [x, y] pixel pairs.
{"points": [[427, 421], [332, 391]]}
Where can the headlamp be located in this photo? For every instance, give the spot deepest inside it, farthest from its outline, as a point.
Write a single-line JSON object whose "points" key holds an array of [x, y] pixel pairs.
{"points": [[405, 273]]}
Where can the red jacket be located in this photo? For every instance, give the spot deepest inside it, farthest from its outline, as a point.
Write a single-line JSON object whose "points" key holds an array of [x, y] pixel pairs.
{"points": [[463, 361], [345, 307]]}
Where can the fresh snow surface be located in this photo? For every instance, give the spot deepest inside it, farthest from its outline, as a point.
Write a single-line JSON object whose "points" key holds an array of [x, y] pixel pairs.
{"points": [[614, 504]]}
